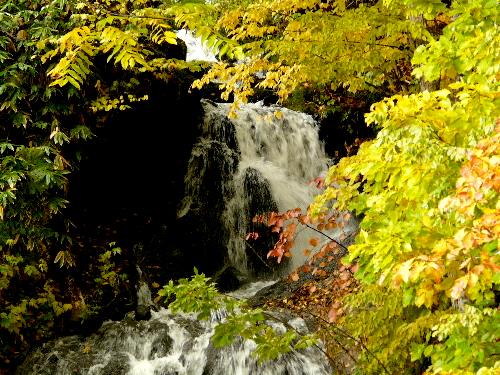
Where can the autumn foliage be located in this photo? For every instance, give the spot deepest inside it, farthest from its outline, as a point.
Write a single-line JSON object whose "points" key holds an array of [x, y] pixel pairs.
{"points": [[416, 291]]}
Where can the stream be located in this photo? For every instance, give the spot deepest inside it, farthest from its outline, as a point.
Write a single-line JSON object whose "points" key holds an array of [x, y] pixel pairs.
{"points": [[263, 160]]}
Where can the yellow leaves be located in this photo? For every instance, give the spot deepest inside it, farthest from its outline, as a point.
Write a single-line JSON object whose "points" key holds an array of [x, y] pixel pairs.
{"points": [[123, 47], [75, 65], [239, 79], [74, 38], [403, 273], [426, 295], [64, 257], [302, 33], [161, 34], [111, 35], [22, 35], [60, 308], [106, 103]]}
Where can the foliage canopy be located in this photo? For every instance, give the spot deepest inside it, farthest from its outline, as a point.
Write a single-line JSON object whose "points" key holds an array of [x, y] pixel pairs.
{"points": [[426, 188]]}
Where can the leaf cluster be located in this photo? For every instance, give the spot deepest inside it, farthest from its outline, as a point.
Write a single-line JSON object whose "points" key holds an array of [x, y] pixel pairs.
{"points": [[199, 295], [288, 44], [427, 190]]}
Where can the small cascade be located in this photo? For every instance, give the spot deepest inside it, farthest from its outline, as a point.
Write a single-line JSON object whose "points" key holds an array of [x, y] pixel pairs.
{"points": [[280, 155], [144, 299], [267, 158], [144, 295], [264, 160], [175, 344]]}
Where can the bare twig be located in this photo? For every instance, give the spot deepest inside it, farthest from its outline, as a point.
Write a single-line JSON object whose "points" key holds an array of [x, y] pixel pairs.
{"points": [[327, 236], [348, 335]]}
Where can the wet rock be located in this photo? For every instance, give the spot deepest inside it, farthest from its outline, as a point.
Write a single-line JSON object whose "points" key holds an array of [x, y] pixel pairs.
{"points": [[117, 365], [143, 312], [228, 279]]}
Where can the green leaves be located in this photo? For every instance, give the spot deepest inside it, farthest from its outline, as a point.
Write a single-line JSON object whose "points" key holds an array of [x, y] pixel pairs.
{"points": [[471, 335], [196, 295], [468, 47], [199, 295], [429, 198]]}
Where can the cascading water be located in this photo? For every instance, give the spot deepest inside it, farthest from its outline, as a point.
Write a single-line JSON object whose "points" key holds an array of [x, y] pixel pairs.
{"points": [[263, 160], [280, 148], [272, 154], [168, 344]]}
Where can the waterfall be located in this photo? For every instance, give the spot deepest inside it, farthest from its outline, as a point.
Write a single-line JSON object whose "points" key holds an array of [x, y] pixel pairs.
{"points": [[280, 148], [263, 160], [269, 156], [168, 344]]}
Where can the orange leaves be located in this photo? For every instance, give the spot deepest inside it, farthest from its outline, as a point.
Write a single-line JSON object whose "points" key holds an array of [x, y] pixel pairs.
{"points": [[284, 244], [334, 312], [480, 177], [323, 295], [304, 219], [330, 225], [319, 272], [313, 241], [318, 182], [285, 225]]}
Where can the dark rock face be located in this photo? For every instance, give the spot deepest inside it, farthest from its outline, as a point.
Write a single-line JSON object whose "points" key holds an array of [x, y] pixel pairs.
{"points": [[204, 237], [101, 353], [260, 199], [143, 312], [228, 279], [131, 180]]}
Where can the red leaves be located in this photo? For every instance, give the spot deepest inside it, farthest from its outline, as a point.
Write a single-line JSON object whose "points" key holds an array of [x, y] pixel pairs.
{"points": [[285, 225], [304, 219], [252, 236], [319, 182], [330, 226], [286, 232]]}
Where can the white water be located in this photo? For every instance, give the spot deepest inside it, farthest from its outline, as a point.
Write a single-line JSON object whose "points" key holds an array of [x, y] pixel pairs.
{"points": [[173, 344], [277, 149], [196, 50], [281, 154], [283, 146]]}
